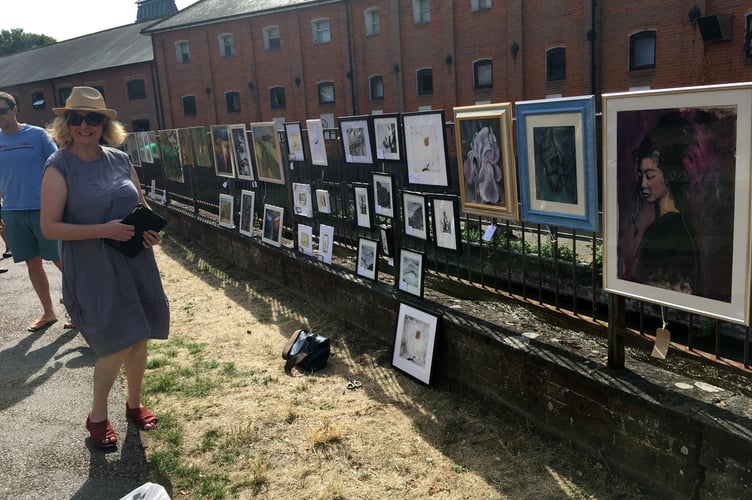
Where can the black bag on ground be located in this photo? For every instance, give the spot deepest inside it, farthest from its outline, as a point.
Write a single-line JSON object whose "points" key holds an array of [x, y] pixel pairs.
{"points": [[307, 350]]}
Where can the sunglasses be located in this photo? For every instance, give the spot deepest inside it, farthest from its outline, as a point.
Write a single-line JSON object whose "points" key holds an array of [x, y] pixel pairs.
{"points": [[91, 119], [4, 111]]}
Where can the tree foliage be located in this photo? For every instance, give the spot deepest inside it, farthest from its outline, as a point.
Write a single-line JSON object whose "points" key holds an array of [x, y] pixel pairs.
{"points": [[15, 40]]}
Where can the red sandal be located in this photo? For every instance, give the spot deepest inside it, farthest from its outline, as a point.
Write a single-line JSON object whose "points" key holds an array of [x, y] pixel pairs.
{"points": [[102, 434], [142, 417]]}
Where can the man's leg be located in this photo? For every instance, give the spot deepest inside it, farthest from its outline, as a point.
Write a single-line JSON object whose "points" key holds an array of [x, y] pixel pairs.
{"points": [[41, 285]]}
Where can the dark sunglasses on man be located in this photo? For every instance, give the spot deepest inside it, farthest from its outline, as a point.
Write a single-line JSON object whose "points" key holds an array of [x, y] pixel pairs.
{"points": [[91, 119], [4, 111]]}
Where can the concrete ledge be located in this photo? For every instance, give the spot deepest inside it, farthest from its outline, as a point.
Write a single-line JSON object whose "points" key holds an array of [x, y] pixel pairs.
{"points": [[674, 435]]}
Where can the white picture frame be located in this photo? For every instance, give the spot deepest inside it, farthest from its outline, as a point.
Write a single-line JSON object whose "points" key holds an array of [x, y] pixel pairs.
{"points": [[271, 226], [247, 202], [326, 243], [323, 201], [226, 209], [316, 142], [302, 203], [305, 239]]}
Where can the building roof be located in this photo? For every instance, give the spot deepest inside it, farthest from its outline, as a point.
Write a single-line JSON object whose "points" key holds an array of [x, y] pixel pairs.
{"points": [[106, 49], [213, 11]]}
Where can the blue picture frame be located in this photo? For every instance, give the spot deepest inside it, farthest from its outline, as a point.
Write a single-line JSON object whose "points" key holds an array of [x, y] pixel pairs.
{"points": [[557, 168]]}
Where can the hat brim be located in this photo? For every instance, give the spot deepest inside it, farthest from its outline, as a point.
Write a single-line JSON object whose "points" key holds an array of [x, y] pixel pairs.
{"points": [[109, 113]]}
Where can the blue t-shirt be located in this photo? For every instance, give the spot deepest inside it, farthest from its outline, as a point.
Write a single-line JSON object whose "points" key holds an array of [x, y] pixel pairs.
{"points": [[23, 156]]}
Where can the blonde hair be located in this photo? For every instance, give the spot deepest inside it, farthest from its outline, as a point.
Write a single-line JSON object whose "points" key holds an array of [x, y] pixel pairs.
{"points": [[113, 132]]}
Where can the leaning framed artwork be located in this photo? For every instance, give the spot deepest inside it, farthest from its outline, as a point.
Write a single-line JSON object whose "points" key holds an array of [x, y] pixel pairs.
{"points": [[323, 201], [383, 195], [488, 178], [386, 132], [425, 148], [268, 152], [677, 196], [302, 202], [356, 139], [326, 243], [414, 342], [224, 164], [368, 258], [271, 226], [169, 146], [226, 208], [446, 217], [305, 239], [557, 163], [247, 201], [414, 209], [411, 272], [316, 142]]}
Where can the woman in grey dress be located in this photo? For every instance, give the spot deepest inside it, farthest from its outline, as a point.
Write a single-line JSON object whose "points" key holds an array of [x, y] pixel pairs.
{"points": [[116, 301]]}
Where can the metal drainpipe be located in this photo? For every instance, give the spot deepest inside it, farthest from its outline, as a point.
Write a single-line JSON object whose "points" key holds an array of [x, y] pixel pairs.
{"points": [[351, 72]]}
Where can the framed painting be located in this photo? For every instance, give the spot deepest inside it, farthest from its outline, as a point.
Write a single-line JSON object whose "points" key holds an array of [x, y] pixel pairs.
{"points": [[414, 210], [305, 239], [247, 202], [302, 202], [362, 205], [316, 142], [677, 197], [386, 238], [224, 165], [144, 147], [488, 179], [271, 226], [356, 139], [386, 133], [323, 201], [132, 149], [425, 148], [201, 147], [368, 261], [383, 195], [411, 272], [152, 143], [294, 137], [169, 147], [226, 206], [446, 217], [241, 154], [557, 164], [414, 342], [268, 152], [187, 158], [326, 243]]}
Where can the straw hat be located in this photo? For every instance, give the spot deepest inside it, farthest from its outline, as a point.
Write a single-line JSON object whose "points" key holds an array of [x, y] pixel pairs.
{"points": [[86, 99]]}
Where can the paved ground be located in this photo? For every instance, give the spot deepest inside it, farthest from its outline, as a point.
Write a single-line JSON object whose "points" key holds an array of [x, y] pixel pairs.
{"points": [[45, 394]]}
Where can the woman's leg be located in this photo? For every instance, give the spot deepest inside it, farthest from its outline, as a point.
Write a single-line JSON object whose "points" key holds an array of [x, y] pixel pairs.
{"points": [[135, 366], [105, 372]]}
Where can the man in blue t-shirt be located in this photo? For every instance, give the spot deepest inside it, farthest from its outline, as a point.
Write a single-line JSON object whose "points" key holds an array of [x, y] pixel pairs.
{"points": [[24, 149]]}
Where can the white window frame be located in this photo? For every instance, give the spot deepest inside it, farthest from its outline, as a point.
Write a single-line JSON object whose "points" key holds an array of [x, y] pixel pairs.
{"points": [[422, 11], [223, 45], [372, 19], [321, 31], [183, 51], [269, 40]]}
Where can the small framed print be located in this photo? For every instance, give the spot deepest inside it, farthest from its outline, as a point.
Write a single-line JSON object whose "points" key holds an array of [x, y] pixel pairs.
{"points": [[425, 148], [316, 142], [386, 132], [323, 202], [326, 243], [368, 261], [241, 151], [303, 205], [383, 195], [356, 139], [414, 207], [247, 201], [187, 157], [294, 142], [386, 236], [445, 217], [224, 165], [268, 152], [271, 230], [414, 342], [226, 206], [169, 145], [132, 143], [363, 205], [411, 272], [488, 177], [305, 239]]}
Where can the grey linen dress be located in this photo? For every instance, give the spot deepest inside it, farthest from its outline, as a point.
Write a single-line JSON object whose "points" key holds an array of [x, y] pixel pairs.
{"points": [[114, 300]]}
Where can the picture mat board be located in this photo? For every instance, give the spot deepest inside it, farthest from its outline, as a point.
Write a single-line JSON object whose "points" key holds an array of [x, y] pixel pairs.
{"points": [[224, 162], [383, 195], [425, 148], [226, 206], [241, 151], [316, 142], [414, 208], [326, 243], [446, 219], [247, 201], [411, 272], [362, 206], [294, 138], [323, 201], [271, 230], [268, 152], [386, 131], [367, 264], [356, 140], [414, 342], [305, 239]]}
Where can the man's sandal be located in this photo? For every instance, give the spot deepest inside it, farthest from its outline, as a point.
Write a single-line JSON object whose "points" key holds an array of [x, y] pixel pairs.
{"points": [[143, 418], [102, 434]]}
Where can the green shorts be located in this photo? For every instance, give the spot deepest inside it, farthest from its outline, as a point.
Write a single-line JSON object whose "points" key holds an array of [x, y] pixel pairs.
{"points": [[24, 235]]}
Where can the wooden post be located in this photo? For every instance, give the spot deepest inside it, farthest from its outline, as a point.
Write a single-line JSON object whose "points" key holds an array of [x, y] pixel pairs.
{"points": [[616, 324]]}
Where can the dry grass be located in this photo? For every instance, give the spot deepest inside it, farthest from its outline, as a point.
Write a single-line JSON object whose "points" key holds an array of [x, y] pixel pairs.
{"points": [[234, 425]]}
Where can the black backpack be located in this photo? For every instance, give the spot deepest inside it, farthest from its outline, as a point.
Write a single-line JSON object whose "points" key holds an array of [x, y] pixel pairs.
{"points": [[307, 350]]}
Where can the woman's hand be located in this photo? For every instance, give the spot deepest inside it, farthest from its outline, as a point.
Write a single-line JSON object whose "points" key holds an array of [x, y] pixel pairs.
{"points": [[151, 238], [116, 230]]}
